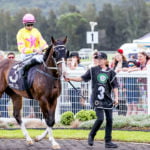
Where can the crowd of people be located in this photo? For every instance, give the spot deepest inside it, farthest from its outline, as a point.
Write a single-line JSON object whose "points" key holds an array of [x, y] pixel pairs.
{"points": [[130, 86]]}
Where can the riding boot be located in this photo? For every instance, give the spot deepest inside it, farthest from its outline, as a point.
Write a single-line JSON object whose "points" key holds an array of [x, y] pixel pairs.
{"points": [[28, 66]]}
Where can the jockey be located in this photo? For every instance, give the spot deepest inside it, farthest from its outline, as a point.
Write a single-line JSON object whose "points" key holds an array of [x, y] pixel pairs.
{"points": [[30, 42]]}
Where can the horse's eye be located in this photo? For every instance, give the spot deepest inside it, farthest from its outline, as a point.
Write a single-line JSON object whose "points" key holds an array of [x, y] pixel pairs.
{"points": [[56, 54]]}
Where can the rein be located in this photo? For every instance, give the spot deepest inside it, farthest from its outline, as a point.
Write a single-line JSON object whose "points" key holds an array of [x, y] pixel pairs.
{"points": [[47, 74], [50, 68], [53, 68]]}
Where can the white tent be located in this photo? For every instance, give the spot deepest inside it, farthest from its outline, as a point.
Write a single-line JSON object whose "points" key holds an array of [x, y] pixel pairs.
{"points": [[143, 43], [143, 40]]}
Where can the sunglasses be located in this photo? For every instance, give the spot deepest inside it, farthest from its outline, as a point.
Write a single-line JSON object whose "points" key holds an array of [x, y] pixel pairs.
{"points": [[131, 65], [29, 25], [97, 57], [11, 57]]}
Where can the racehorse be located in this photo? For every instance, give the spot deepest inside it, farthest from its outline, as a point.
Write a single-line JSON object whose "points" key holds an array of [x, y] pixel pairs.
{"points": [[46, 88]]}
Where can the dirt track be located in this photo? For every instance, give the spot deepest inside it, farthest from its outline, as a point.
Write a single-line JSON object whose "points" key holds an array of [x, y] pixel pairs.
{"points": [[20, 144]]}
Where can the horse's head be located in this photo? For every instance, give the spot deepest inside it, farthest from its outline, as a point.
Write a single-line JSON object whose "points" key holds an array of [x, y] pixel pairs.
{"points": [[59, 53]]}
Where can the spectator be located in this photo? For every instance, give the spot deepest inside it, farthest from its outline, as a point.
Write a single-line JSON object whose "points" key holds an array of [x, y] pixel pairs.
{"points": [[112, 63], [121, 64], [132, 90], [75, 60], [143, 60], [11, 55], [75, 69], [68, 62], [143, 64], [94, 60]]}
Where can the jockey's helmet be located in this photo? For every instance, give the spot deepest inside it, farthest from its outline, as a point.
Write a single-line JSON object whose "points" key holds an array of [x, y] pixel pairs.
{"points": [[28, 18]]}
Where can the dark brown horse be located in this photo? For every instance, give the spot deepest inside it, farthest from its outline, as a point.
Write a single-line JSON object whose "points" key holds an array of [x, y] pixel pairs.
{"points": [[46, 88]]}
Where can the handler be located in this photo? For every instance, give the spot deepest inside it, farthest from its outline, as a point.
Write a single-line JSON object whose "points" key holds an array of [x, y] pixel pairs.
{"points": [[103, 82]]}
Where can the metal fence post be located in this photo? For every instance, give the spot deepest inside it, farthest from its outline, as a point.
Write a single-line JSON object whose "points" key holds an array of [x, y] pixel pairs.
{"points": [[148, 89]]}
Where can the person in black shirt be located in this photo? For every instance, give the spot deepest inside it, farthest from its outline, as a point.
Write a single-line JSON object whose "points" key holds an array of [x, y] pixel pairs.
{"points": [[103, 82]]}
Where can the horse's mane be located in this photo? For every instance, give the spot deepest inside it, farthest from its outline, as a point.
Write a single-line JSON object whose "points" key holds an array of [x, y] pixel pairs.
{"points": [[47, 53]]}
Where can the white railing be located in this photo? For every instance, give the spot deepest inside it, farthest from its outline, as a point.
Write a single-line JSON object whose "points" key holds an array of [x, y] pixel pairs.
{"points": [[134, 82]]}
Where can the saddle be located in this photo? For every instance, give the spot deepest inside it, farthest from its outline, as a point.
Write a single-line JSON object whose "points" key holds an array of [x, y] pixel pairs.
{"points": [[17, 81]]}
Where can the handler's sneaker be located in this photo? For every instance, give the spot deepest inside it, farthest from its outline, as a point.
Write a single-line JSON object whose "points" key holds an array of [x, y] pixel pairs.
{"points": [[90, 140], [110, 145]]}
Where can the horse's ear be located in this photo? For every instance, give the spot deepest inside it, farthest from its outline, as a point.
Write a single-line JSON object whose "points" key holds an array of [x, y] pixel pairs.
{"points": [[53, 40], [65, 40], [67, 54]]}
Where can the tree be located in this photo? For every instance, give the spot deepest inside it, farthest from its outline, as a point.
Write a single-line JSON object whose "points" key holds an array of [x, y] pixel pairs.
{"points": [[90, 12], [52, 29], [137, 17], [74, 26], [67, 8], [106, 21]]}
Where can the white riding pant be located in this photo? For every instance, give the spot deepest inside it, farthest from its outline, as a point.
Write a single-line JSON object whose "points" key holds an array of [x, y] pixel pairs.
{"points": [[38, 57]]}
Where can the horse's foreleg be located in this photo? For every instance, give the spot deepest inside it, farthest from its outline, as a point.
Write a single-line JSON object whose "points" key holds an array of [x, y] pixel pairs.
{"points": [[26, 134], [48, 131], [49, 115], [42, 136], [17, 105], [55, 145]]}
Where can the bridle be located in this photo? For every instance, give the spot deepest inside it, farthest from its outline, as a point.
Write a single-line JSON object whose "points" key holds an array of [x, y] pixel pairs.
{"points": [[55, 58], [53, 68]]}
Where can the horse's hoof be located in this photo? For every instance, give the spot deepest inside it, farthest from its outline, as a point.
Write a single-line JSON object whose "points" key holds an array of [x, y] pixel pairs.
{"points": [[56, 146], [30, 142], [36, 139]]}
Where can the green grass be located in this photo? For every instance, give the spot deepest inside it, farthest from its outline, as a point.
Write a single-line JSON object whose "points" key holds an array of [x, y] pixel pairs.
{"points": [[126, 136]]}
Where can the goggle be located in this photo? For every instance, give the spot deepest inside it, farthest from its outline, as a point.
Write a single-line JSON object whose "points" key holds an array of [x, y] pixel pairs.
{"points": [[28, 25]]}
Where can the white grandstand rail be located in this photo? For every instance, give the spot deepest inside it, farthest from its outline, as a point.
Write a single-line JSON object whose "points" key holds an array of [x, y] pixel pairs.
{"points": [[138, 74]]}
